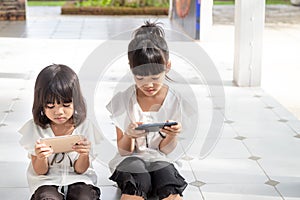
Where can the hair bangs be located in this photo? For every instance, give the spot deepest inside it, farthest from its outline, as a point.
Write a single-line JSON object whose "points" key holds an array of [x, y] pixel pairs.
{"points": [[59, 91], [148, 69]]}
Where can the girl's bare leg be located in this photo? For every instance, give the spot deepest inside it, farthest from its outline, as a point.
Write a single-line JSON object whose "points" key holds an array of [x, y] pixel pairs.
{"points": [[130, 197], [173, 197]]}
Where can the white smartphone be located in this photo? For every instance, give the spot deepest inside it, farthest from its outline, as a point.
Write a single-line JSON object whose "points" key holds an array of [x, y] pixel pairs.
{"points": [[61, 144]]}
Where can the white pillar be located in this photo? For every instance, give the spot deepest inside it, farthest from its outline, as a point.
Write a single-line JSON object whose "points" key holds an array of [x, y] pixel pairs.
{"points": [[206, 20], [249, 25]]}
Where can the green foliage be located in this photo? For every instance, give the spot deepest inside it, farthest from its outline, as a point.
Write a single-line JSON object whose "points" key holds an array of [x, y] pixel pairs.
{"points": [[125, 3], [229, 2], [46, 3], [268, 2], [134, 3]]}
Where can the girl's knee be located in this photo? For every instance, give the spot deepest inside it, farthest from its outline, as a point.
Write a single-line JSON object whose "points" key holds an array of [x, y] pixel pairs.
{"points": [[132, 165], [47, 192], [83, 191]]}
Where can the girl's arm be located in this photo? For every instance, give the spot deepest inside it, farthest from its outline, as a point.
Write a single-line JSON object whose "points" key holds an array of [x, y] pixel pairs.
{"points": [[125, 143], [168, 144], [40, 166], [83, 162], [126, 140], [40, 161]]}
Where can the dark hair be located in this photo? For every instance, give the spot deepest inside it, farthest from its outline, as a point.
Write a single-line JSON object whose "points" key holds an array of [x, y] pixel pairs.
{"points": [[150, 28], [57, 83], [148, 50]]}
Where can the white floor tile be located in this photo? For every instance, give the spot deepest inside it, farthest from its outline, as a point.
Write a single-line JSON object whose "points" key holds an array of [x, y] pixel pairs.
{"points": [[239, 192], [270, 101], [192, 193], [186, 171], [229, 148], [283, 113], [287, 171], [274, 148], [294, 125], [229, 171], [265, 130], [290, 191], [13, 152], [248, 109], [14, 193], [13, 174], [110, 193], [228, 131]]}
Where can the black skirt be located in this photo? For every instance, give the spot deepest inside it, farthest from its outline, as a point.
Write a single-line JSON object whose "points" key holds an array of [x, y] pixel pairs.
{"points": [[134, 176]]}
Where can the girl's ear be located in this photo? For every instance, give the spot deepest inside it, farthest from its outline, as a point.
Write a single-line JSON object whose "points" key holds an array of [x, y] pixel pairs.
{"points": [[168, 66]]}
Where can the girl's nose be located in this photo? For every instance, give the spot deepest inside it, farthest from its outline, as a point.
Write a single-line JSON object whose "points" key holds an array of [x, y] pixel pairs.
{"points": [[59, 110], [148, 84]]}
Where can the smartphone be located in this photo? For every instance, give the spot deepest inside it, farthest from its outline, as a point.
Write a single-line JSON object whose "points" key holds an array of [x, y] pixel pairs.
{"points": [[154, 127], [61, 144]]}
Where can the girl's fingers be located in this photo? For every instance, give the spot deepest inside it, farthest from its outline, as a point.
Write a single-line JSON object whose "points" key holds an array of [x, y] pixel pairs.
{"points": [[40, 145], [131, 132], [170, 131], [82, 146], [44, 152], [83, 142], [138, 132], [46, 149]]}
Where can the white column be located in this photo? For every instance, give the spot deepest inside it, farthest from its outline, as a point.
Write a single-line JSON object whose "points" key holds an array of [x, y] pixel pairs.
{"points": [[206, 20], [249, 25]]}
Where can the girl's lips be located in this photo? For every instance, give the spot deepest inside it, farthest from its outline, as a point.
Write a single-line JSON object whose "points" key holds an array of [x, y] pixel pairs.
{"points": [[60, 118], [149, 90]]}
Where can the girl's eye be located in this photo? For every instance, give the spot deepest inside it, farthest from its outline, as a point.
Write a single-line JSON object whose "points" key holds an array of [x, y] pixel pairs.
{"points": [[66, 105], [139, 78], [49, 106], [155, 77]]}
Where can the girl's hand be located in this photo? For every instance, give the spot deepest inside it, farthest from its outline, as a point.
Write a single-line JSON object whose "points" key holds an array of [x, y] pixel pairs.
{"points": [[42, 151], [132, 133], [172, 130], [82, 147]]}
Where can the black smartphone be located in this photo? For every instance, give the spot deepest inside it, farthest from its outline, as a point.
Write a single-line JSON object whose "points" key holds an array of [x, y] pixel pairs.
{"points": [[154, 127]]}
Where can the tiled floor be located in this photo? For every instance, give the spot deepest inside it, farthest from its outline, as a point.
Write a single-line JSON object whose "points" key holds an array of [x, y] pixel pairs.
{"points": [[256, 157]]}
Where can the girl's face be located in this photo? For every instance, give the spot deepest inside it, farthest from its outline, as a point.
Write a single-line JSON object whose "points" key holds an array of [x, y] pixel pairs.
{"points": [[150, 85], [59, 113]]}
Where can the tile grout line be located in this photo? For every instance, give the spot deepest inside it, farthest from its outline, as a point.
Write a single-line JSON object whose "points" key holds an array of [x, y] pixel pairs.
{"points": [[251, 154], [13, 101], [194, 175], [195, 179], [276, 114], [259, 165]]}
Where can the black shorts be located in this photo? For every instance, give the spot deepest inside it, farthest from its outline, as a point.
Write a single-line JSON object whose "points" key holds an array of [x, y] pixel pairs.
{"points": [[75, 191], [134, 176]]}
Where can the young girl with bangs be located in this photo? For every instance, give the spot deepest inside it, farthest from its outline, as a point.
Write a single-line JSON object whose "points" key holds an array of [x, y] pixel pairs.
{"points": [[59, 110], [141, 168]]}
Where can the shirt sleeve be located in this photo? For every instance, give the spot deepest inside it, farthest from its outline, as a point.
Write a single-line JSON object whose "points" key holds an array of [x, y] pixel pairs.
{"points": [[120, 108], [30, 134], [94, 136]]}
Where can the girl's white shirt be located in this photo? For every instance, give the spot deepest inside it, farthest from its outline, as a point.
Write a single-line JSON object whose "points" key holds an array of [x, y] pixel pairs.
{"points": [[60, 173], [125, 109]]}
